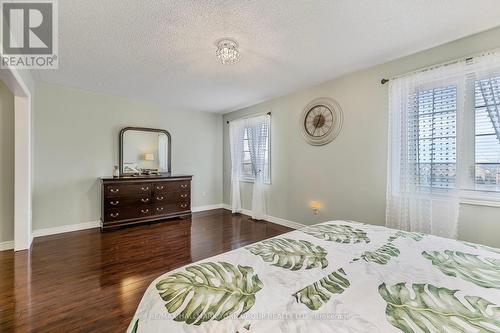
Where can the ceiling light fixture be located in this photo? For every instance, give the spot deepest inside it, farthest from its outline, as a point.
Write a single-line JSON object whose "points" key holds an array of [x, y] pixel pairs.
{"points": [[227, 51]]}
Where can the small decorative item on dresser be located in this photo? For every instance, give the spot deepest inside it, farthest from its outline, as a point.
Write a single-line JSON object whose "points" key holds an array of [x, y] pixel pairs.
{"points": [[116, 171]]}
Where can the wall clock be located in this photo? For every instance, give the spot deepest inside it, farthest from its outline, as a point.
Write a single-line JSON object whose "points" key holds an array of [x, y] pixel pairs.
{"points": [[321, 121]]}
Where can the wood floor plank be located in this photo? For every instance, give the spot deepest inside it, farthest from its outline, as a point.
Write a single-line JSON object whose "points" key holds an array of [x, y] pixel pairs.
{"points": [[88, 281]]}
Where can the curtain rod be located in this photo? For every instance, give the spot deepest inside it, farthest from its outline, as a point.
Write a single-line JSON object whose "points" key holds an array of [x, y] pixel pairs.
{"points": [[250, 116], [447, 63]]}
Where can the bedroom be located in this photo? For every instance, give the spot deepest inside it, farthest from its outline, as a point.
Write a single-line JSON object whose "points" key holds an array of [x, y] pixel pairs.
{"points": [[273, 110]]}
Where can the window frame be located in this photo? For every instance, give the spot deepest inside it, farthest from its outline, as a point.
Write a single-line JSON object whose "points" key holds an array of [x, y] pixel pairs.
{"points": [[466, 143], [267, 177]]}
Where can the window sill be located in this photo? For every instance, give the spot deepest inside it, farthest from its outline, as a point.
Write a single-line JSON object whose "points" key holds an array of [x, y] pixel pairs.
{"points": [[252, 181], [476, 202], [479, 198]]}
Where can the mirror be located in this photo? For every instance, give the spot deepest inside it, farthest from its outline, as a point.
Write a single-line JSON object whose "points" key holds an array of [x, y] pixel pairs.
{"points": [[144, 151]]}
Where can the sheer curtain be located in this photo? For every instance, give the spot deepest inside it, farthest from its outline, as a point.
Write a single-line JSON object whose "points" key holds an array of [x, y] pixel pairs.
{"points": [[236, 135], [257, 131], [431, 148], [422, 192]]}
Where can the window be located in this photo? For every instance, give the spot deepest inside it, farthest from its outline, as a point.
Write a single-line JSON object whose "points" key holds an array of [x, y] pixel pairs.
{"points": [[453, 134], [487, 134], [248, 171], [436, 156]]}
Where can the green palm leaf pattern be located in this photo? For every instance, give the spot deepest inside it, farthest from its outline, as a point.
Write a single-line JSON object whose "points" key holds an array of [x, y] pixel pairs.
{"points": [[484, 272], [381, 255], [290, 254], [318, 293], [337, 233], [430, 309], [215, 290], [416, 236]]}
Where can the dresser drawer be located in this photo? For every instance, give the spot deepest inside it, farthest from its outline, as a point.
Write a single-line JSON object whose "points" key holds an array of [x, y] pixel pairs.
{"points": [[116, 190], [172, 197], [117, 214], [127, 201], [172, 186], [170, 208]]}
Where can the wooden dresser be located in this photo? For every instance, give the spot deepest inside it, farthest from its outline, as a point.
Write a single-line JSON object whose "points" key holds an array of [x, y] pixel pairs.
{"points": [[133, 200]]}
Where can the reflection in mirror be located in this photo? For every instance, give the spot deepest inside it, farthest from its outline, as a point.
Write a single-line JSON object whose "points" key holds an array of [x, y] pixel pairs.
{"points": [[145, 151]]}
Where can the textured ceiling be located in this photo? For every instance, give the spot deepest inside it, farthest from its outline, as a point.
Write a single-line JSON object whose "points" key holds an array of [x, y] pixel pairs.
{"points": [[163, 51]]}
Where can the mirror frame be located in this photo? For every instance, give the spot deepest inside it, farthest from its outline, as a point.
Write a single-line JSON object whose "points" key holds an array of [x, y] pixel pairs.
{"points": [[143, 129]]}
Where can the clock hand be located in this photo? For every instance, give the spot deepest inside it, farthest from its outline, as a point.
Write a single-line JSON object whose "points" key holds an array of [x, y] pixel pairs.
{"points": [[316, 126]]}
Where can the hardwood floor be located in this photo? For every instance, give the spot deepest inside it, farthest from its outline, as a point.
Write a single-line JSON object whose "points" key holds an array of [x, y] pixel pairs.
{"points": [[88, 281]]}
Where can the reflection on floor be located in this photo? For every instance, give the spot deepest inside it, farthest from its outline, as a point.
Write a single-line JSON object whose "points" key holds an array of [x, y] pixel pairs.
{"points": [[88, 281]]}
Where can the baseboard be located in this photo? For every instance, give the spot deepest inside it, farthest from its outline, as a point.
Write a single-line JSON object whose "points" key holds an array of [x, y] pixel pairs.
{"points": [[97, 224], [272, 219], [286, 223], [4, 246], [65, 228], [207, 207]]}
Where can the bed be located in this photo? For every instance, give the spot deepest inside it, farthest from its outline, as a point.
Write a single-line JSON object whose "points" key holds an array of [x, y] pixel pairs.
{"points": [[336, 276]]}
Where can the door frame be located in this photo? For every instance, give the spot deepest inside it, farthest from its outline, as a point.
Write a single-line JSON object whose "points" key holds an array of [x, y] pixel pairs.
{"points": [[22, 156]]}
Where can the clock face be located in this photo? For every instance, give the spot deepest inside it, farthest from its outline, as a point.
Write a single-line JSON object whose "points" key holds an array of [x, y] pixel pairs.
{"points": [[318, 121], [321, 121]]}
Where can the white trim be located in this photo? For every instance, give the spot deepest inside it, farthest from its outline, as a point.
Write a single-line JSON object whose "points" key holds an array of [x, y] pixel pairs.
{"points": [[286, 223], [206, 207], [480, 202], [66, 228], [97, 224], [22, 156], [272, 219], [480, 198], [4, 246]]}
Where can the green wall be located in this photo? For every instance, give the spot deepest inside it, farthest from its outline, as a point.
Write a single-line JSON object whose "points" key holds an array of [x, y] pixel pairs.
{"points": [[76, 142], [348, 176]]}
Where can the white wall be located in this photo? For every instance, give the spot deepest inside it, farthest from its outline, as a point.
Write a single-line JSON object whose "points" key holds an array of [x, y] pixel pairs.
{"points": [[7, 164], [76, 142], [348, 176]]}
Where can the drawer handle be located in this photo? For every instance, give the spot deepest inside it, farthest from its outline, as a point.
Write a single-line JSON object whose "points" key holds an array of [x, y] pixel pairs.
{"points": [[145, 199], [184, 205], [145, 188], [144, 211], [159, 198], [114, 214], [159, 209], [114, 203], [114, 190], [184, 186], [184, 195], [159, 187]]}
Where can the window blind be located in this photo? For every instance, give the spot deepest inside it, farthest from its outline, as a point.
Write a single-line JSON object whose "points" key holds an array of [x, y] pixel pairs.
{"points": [[433, 134], [487, 134]]}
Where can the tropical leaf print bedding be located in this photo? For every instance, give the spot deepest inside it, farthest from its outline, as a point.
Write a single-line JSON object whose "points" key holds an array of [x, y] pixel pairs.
{"points": [[337, 277]]}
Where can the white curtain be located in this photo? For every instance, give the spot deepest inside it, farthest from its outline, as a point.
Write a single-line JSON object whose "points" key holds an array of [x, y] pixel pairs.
{"points": [[236, 135], [422, 192], [431, 142], [257, 130]]}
